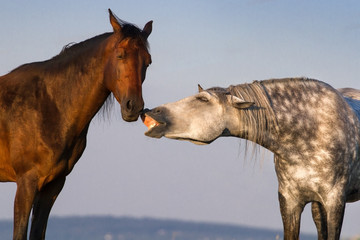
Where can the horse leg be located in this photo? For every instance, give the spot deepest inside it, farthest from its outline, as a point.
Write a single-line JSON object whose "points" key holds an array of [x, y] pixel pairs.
{"points": [[43, 203], [319, 217], [335, 215], [291, 214], [25, 193]]}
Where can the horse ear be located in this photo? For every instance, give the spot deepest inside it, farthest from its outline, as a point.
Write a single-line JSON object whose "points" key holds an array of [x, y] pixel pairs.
{"points": [[200, 88], [238, 102], [114, 22], [147, 29]]}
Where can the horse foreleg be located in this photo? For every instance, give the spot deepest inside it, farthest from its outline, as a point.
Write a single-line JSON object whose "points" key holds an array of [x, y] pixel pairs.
{"points": [[43, 203], [319, 217], [25, 193], [291, 214]]}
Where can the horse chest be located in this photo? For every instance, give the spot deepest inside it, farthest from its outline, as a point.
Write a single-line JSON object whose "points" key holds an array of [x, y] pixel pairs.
{"points": [[304, 176]]}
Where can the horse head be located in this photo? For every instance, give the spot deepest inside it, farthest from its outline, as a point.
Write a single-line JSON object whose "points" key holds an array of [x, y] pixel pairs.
{"points": [[126, 67], [200, 118]]}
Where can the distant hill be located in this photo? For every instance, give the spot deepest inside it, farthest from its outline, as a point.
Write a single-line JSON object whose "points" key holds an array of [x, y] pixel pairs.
{"points": [[125, 228]]}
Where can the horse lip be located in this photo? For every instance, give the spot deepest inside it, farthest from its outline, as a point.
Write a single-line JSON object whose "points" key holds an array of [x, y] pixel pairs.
{"points": [[130, 118], [194, 141], [157, 130]]}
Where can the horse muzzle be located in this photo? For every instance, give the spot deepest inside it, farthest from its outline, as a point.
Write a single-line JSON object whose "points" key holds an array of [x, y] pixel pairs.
{"points": [[131, 110], [156, 122]]}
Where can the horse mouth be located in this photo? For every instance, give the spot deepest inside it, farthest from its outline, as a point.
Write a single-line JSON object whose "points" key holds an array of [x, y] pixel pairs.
{"points": [[194, 141], [156, 127], [130, 118]]}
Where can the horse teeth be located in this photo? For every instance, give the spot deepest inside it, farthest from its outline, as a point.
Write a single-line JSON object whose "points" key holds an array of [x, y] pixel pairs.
{"points": [[152, 125]]}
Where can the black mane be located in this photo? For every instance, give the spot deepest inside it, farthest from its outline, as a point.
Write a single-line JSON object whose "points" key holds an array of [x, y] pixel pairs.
{"points": [[72, 47]]}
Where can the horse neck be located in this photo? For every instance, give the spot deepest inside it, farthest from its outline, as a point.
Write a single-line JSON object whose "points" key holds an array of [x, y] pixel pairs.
{"points": [[76, 85], [289, 103], [258, 123]]}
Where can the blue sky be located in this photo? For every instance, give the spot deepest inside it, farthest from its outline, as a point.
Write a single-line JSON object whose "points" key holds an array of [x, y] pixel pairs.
{"points": [[214, 43]]}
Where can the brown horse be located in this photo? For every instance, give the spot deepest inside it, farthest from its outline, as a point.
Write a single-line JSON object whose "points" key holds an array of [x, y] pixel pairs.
{"points": [[46, 108]]}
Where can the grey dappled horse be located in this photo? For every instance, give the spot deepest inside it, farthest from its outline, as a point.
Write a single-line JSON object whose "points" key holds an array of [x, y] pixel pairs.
{"points": [[312, 129]]}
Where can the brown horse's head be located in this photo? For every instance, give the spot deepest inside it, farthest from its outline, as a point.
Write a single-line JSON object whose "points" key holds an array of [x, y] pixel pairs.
{"points": [[127, 64]]}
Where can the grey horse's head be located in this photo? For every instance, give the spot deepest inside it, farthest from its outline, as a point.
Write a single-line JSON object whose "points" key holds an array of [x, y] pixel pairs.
{"points": [[200, 118]]}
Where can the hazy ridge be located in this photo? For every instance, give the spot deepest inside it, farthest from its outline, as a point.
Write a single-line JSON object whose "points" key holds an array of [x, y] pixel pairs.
{"points": [[127, 228]]}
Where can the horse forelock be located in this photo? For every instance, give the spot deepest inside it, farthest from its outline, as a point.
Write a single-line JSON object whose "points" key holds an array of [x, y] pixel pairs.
{"points": [[132, 31]]}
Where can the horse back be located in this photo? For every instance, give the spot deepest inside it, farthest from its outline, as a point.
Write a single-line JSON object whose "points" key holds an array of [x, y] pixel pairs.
{"points": [[352, 97]]}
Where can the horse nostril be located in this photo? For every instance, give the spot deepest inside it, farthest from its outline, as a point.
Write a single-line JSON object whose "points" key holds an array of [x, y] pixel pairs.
{"points": [[129, 105], [157, 110]]}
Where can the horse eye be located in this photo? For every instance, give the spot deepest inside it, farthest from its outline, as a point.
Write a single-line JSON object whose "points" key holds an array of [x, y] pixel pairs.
{"points": [[202, 99], [121, 54]]}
